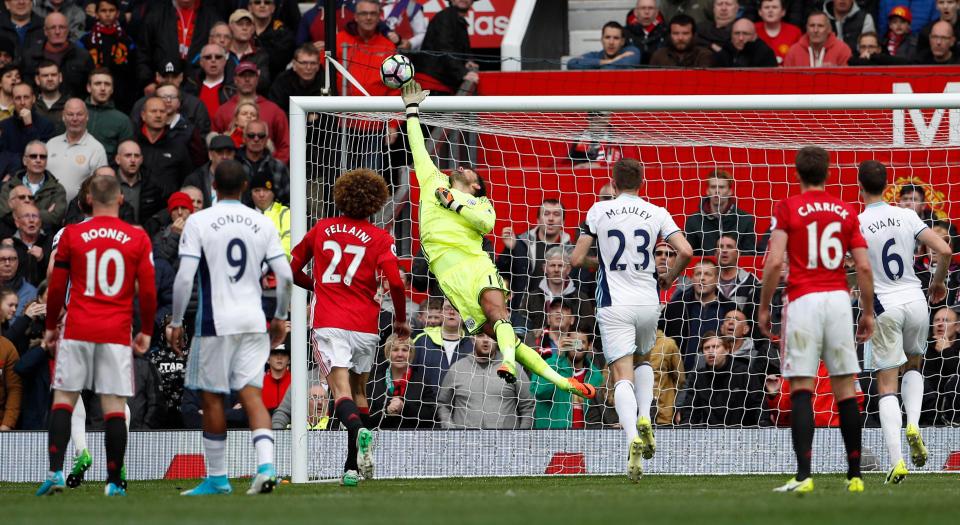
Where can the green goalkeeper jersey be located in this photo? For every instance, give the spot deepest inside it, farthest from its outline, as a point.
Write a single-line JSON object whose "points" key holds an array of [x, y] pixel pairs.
{"points": [[448, 238]]}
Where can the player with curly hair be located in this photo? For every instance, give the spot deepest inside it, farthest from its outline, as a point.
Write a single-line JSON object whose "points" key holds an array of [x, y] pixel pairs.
{"points": [[455, 214], [348, 252]]}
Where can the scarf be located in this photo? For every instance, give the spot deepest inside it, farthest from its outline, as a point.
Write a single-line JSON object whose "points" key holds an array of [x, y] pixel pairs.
{"points": [[893, 42], [399, 387], [99, 30]]}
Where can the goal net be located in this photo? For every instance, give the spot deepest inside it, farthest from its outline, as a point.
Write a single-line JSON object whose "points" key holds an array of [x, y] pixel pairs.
{"points": [[718, 164]]}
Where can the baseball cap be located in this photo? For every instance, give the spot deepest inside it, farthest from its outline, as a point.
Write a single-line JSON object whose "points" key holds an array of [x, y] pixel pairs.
{"points": [[903, 12], [240, 14], [222, 142], [170, 67], [246, 67]]}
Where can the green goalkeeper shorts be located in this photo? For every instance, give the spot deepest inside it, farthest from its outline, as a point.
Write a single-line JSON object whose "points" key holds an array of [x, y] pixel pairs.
{"points": [[464, 283]]}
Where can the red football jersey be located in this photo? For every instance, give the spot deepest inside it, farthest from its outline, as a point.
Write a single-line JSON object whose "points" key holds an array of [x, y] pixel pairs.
{"points": [[346, 255], [821, 229], [106, 258]]}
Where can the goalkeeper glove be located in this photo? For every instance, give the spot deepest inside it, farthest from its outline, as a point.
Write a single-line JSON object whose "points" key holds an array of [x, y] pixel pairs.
{"points": [[412, 96], [446, 199]]}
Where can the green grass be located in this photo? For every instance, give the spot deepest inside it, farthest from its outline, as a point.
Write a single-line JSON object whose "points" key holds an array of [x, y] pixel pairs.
{"points": [[493, 501]]}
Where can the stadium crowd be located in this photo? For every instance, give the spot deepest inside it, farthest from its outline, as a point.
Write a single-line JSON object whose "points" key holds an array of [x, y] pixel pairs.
{"points": [[159, 93]]}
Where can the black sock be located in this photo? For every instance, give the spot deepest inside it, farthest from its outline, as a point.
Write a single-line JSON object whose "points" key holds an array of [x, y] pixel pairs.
{"points": [[850, 429], [364, 416], [801, 427], [59, 435], [346, 411], [115, 440]]}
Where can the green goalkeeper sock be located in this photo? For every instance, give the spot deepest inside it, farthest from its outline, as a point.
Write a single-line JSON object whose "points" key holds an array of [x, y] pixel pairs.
{"points": [[531, 360], [506, 339]]}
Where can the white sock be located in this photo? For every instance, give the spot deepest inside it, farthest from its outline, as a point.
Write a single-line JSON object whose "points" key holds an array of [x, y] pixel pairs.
{"points": [[215, 452], [625, 400], [263, 442], [890, 419], [911, 388], [643, 379], [78, 427]]}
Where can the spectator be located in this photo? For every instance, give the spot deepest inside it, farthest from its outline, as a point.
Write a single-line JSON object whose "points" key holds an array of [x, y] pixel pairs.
{"points": [[21, 26], [556, 408], [76, 18], [8, 51], [245, 113], [17, 196], [560, 319], [923, 12], [406, 23], [25, 125], [925, 265], [848, 20], [34, 368], [430, 313], [211, 85], [774, 31], [941, 366], [819, 47], [617, 53], [602, 413], [52, 97], [11, 388], [196, 196], [112, 48], [170, 365], [171, 31], [11, 278], [179, 128], [714, 35], [948, 10], [698, 10], [312, 26], [556, 284], [521, 261], [825, 411], [473, 397], [664, 257], [698, 311], [719, 213], [171, 72], [264, 200], [221, 148], [869, 53], [77, 213], [190, 408], [442, 66], [397, 388], [220, 35], [147, 404], [722, 392], [437, 348], [271, 35], [737, 328], [744, 50], [257, 160], [246, 80], [366, 49], [108, 125], [276, 380], [48, 194], [139, 191], [318, 408], [899, 41], [914, 196], [303, 79], [242, 48], [9, 77], [646, 29], [681, 50], [668, 377], [736, 284], [169, 161], [75, 154], [32, 244], [942, 44], [166, 244], [75, 63]]}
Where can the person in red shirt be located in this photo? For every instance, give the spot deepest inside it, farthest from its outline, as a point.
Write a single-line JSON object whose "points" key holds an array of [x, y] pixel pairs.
{"points": [[106, 261], [348, 252], [774, 32], [816, 229], [276, 380], [366, 49], [825, 411]]}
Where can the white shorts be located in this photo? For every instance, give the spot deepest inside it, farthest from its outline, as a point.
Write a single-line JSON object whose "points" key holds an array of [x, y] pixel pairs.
{"points": [[222, 363], [819, 326], [627, 330], [104, 367], [339, 348], [899, 331]]}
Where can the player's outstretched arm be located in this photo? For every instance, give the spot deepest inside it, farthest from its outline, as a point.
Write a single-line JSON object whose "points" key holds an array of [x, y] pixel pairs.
{"points": [[477, 211], [938, 287], [861, 262], [182, 288], [147, 294], [429, 178], [284, 276], [579, 258], [776, 249]]}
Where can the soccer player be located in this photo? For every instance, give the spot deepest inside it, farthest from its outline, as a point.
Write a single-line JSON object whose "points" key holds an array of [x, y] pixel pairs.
{"points": [[347, 252], [454, 216], [626, 230], [903, 318], [816, 229], [227, 244], [103, 258]]}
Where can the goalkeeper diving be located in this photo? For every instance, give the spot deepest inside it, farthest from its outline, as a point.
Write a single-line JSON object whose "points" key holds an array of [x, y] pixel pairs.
{"points": [[455, 214]]}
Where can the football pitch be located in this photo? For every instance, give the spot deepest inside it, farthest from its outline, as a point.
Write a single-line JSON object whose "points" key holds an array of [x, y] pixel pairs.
{"points": [[569, 500]]}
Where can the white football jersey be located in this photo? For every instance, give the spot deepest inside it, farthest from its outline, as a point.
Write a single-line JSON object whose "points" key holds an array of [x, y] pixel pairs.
{"points": [[891, 235], [231, 241], [626, 230]]}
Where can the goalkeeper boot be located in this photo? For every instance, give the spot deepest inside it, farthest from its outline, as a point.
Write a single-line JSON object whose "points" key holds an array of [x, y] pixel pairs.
{"points": [[634, 463], [897, 473], [54, 484], [265, 480], [508, 371], [365, 453], [645, 433], [211, 486], [584, 390], [81, 463], [855, 485], [918, 451], [114, 490], [800, 487], [350, 479]]}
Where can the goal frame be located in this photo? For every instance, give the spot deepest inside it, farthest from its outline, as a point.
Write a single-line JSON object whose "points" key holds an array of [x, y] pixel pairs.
{"points": [[300, 106]]}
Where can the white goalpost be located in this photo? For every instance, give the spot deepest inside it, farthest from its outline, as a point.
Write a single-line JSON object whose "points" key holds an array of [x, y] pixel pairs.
{"points": [[521, 146]]}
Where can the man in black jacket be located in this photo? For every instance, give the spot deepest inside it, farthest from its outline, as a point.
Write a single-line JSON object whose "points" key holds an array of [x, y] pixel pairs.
{"points": [[305, 78], [169, 161], [744, 48], [723, 392], [21, 26], [161, 41], [75, 62], [445, 47]]}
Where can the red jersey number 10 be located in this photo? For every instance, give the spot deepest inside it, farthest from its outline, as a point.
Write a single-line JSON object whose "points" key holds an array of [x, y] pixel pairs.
{"points": [[97, 272]]}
